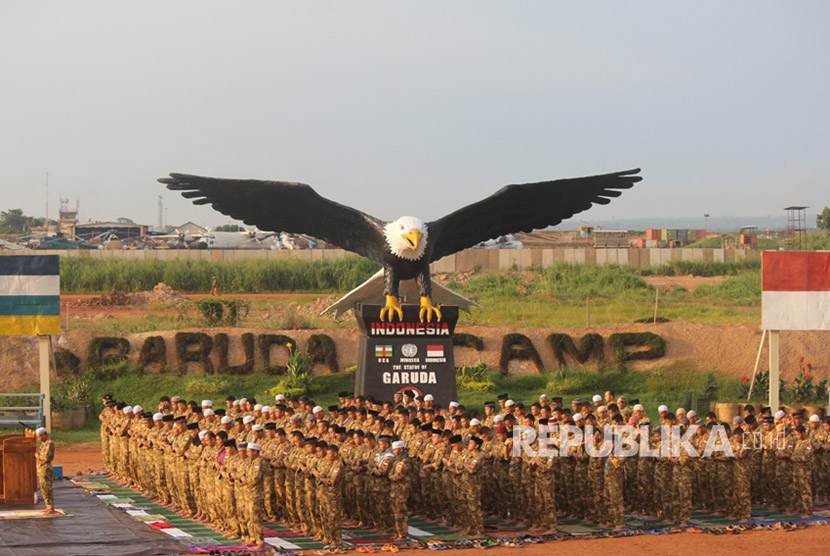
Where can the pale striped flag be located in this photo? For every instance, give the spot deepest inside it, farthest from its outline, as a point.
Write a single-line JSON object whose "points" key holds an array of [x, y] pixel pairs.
{"points": [[796, 290], [30, 302]]}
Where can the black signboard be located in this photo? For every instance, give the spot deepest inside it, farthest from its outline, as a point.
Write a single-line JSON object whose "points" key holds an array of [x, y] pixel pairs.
{"points": [[406, 354]]}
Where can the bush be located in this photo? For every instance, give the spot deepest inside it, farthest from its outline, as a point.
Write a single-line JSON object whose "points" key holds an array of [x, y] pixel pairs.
{"points": [[298, 378], [99, 348], [204, 344], [219, 310], [66, 363], [520, 347], [656, 346], [474, 379]]}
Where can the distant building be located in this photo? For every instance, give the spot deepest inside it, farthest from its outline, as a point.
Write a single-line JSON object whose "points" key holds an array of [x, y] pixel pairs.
{"points": [[123, 230], [68, 218], [191, 229]]}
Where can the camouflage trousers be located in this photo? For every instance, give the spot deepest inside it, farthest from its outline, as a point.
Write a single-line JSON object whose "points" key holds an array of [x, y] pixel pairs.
{"points": [[44, 477], [682, 494], [332, 511], [546, 495], [398, 496], [613, 499], [802, 492]]}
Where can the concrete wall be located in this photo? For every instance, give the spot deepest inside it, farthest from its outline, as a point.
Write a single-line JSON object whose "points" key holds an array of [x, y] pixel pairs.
{"points": [[464, 261]]}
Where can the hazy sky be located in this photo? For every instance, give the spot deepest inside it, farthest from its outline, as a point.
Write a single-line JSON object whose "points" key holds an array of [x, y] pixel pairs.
{"points": [[415, 107]]}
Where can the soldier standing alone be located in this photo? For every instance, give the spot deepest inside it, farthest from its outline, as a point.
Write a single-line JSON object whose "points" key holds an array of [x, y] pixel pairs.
{"points": [[44, 456]]}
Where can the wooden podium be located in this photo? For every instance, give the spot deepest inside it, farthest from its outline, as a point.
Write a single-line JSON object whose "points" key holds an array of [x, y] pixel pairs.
{"points": [[18, 472]]}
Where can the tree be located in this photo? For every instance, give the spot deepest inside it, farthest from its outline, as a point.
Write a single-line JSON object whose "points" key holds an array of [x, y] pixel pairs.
{"points": [[823, 220], [229, 228], [12, 221]]}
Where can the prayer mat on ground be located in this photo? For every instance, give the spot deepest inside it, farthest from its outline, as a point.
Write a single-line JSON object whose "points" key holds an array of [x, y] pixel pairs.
{"points": [[196, 537], [31, 514]]}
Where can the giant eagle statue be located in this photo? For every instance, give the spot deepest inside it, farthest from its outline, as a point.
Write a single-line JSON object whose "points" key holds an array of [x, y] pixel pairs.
{"points": [[406, 246]]}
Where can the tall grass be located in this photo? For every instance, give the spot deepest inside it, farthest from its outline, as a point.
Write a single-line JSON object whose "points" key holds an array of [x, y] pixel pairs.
{"points": [[703, 268], [246, 276]]}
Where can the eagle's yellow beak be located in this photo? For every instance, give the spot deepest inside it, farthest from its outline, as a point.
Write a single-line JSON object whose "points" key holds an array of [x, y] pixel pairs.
{"points": [[413, 238]]}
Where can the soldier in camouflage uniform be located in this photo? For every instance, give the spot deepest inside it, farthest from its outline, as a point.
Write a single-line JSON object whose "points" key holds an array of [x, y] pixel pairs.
{"points": [[43, 458], [332, 480], [399, 477], [250, 476], [471, 483], [802, 458], [741, 475]]}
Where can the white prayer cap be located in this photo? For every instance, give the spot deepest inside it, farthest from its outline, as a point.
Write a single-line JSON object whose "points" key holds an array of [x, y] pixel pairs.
{"points": [[257, 427], [737, 420], [39, 431], [279, 398], [258, 407], [398, 444], [127, 410], [428, 398], [602, 408], [508, 403], [663, 408], [814, 418], [498, 418], [248, 419], [158, 416], [679, 411], [577, 416], [253, 446], [225, 419], [474, 422], [543, 398], [266, 408], [780, 414], [209, 412], [243, 400], [454, 404], [207, 403], [296, 417], [202, 434], [639, 407], [138, 409], [691, 414], [236, 403], [597, 398], [317, 409]]}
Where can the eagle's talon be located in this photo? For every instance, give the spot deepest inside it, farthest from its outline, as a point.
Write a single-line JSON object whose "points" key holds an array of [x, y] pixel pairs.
{"points": [[392, 307], [427, 308]]}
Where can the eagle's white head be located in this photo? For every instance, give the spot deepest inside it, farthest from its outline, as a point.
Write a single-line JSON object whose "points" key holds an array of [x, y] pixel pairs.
{"points": [[406, 237]]}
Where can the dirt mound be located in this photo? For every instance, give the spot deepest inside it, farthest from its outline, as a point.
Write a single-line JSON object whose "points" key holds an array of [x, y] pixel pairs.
{"points": [[162, 294]]}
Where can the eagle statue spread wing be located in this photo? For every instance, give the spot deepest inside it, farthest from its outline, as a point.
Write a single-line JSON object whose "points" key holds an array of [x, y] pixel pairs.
{"points": [[405, 247]]}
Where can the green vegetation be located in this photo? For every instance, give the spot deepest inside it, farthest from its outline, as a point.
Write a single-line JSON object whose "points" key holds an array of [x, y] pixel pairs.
{"points": [[80, 275], [569, 295], [823, 220]]}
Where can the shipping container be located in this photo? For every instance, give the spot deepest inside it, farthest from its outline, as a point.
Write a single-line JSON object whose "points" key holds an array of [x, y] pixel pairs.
{"points": [[664, 234], [653, 234]]}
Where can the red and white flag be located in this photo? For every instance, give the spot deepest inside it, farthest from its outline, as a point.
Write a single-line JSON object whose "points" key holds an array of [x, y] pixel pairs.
{"points": [[796, 290], [435, 351]]}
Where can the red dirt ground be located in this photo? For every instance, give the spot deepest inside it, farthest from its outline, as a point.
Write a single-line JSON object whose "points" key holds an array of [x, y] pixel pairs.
{"points": [[81, 458]]}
